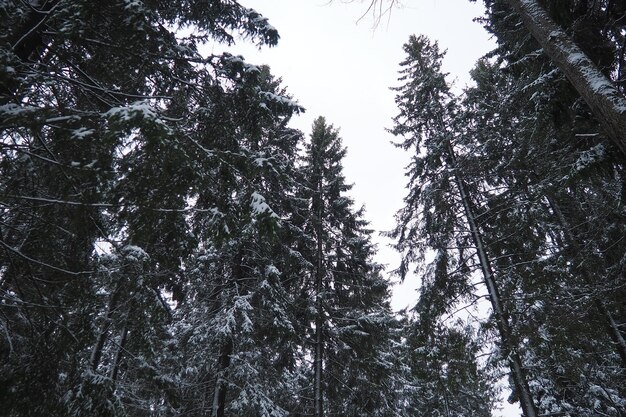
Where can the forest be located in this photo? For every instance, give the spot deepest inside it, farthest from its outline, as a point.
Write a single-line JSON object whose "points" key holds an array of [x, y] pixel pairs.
{"points": [[171, 246]]}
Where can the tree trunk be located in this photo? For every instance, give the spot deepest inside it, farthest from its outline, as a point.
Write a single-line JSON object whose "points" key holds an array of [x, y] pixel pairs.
{"points": [[509, 349], [319, 319], [120, 353], [221, 385], [219, 398], [96, 353], [606, 103]]}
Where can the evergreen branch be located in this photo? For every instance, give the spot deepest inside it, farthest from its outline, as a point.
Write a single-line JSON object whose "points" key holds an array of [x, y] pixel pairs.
{"points": [[44, 264], [109, 205]]}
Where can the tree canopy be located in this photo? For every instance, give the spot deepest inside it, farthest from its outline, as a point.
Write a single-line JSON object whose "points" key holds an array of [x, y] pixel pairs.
{"points": [[171, 246]]}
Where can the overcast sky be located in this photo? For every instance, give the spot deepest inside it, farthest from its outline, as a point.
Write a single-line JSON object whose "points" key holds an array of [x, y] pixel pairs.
{"points": [[339, 67]]}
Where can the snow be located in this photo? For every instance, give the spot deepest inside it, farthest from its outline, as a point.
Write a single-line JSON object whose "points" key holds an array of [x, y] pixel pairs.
{"points": [[590, 157], [260, 161], [82, 132], [543, 79], [135, 5], [271, 270], [240, 60], [14, 110], [134, 253], [259, 20], [141, 108], [279, 99], [259, 206]]}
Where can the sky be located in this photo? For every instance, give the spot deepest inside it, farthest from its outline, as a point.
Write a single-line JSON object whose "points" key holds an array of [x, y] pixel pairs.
{"points": [[337, 65]]}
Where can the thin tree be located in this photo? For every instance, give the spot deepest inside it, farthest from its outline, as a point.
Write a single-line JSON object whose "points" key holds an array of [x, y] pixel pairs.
{"points": [[427, 111]]}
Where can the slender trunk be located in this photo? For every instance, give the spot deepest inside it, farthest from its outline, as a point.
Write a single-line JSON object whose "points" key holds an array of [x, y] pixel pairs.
{"points": [[319, 319], [96, 353], [614, 332], [221, 385], [120, 352], [219, 398], [605, 101], [613, 329], [508, 347]]}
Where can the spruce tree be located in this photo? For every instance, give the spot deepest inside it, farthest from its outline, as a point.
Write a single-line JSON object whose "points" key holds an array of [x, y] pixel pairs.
{"points": [[241, 281], [532, 216], [440, 214], [352, 322], [111, 124]]}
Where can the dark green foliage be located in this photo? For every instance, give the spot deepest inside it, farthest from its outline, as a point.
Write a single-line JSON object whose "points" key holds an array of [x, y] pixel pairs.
{"points": [[108, 156], [547, 190], [558, 220], [432, 224], [357, 325]]}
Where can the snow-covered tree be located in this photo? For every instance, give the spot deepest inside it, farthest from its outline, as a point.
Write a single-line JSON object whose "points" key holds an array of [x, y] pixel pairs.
{"points": [[440, 214], [352, 336], [113, 126]]}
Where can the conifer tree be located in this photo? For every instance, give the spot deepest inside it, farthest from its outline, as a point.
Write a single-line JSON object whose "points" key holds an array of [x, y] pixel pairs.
{"points": [[528, 209], [352, 321], [107, 144], [242, 278], [440, 204]]}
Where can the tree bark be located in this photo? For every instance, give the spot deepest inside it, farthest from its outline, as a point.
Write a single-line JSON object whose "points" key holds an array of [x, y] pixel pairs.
{"points": [[120, 352], [509, 349], [219, 399], [96, 353], [605, 101], [221, 384], [319, 319]]}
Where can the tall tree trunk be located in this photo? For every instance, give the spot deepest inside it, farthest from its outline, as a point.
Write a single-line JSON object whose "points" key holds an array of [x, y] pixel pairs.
{"points": [[502, 321], [219, 398], [319, 319], [96, 353], [605, 101], [120, 352], [221, 385]]}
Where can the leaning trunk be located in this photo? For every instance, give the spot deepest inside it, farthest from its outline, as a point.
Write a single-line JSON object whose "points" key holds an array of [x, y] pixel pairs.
{"points": [[508, 346], [605, 101]]}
